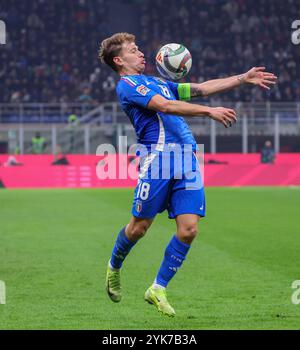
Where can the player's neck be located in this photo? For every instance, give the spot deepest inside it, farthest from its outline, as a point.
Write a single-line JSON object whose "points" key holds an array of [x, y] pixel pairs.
{"points": [[129, 71]]}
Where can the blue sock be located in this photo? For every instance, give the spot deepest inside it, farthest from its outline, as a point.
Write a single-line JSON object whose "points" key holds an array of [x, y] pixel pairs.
{"points": [[175, 254], [121, 249]]}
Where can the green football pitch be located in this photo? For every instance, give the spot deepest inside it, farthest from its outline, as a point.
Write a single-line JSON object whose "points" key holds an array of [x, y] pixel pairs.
{"points": [[55, 244]]}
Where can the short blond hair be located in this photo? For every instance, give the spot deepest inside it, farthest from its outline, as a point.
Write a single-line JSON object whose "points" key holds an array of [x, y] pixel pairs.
{"points": [[111, 47]]}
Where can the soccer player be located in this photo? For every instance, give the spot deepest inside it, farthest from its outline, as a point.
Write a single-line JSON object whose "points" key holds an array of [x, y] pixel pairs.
{"points": [[155, 108]]}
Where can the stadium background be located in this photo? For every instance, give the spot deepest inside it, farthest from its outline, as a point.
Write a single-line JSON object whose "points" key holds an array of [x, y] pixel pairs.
{"points": [[55, 242]]}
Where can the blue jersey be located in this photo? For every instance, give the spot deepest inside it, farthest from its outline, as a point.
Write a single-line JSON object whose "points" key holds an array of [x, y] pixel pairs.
{"points": [[135, 92]]}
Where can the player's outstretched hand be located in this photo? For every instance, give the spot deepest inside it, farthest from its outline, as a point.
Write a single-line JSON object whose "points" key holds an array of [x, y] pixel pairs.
{"points": [[226, 116], [258, 76]]}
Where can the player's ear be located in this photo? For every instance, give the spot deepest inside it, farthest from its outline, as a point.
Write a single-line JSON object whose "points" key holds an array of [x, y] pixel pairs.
{"points": [[118, 61]]}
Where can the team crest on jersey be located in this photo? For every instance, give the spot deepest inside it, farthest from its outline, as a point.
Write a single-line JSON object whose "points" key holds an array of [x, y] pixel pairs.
{"points": [[138, 206], [159, 80], [142, 89]]}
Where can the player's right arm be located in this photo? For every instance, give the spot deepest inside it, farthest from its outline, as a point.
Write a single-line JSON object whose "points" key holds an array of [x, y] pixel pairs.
{"points": [[135, 93], [158, 103]]}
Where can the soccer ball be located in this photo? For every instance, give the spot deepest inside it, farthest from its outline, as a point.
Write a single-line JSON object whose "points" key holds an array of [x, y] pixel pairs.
{"points": [[173, 61]]}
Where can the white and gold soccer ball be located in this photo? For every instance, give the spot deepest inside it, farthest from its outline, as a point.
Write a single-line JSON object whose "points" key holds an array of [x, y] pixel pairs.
{"points": [[173, 61]]}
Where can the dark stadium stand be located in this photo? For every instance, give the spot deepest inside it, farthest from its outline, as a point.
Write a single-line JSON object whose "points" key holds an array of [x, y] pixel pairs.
{"points": [[51, 50]]}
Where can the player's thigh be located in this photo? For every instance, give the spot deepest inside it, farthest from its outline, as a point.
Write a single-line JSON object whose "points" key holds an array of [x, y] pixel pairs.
{"points": [[188, 196], [187, 201]]}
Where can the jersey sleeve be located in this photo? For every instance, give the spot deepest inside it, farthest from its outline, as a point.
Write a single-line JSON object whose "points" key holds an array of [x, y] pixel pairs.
{"points": [[174, 88], [137, 93]]}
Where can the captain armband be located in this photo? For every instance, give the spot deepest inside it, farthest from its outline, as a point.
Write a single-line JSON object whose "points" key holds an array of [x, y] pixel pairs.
{"points": [[184, 91]]}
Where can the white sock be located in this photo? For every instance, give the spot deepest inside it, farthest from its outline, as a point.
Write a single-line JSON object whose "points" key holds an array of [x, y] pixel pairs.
{"points": [[157, 286], [112, 268]]}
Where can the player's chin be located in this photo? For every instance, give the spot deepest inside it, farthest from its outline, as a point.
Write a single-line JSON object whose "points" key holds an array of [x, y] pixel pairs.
{"points": [[142, 67]]}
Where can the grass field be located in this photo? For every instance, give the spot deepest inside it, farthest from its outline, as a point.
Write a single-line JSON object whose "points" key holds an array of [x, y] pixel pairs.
{"points": [[54, 247]]}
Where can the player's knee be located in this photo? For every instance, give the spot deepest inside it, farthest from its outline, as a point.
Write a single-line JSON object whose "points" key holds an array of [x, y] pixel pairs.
{"points": [[188, 233], [137, 231]]}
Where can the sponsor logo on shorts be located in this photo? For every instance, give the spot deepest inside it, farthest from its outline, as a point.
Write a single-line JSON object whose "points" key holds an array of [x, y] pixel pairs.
{"points": [[142, 89]]}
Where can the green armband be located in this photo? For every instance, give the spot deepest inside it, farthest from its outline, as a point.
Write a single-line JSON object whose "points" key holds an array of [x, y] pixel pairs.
{"points": [[184, 91]]}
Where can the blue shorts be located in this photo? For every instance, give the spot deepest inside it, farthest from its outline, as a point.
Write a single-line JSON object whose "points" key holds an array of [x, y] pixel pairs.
{"points": [[165, 183]]}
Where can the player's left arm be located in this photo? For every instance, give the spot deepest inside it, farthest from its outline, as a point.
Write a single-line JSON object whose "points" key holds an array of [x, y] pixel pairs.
{"points": [[256, 76]]}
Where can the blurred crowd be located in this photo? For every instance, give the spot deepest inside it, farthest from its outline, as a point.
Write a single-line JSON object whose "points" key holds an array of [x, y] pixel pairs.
{"points": [[51, 51], [52, 47], [227, 38]]}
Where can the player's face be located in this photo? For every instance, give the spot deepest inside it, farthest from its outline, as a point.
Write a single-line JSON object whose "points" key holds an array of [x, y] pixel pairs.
{"points": [[132, 60]]}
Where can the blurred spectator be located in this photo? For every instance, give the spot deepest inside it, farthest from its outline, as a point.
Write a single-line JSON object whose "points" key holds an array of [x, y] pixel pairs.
{"points": [[72, 125], [85, 97], [12, 161], [59, 157], [267, 153], [38, 144]]}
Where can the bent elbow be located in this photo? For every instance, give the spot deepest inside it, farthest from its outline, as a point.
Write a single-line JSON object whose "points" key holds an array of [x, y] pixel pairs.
{"points": [[165, 106]]}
